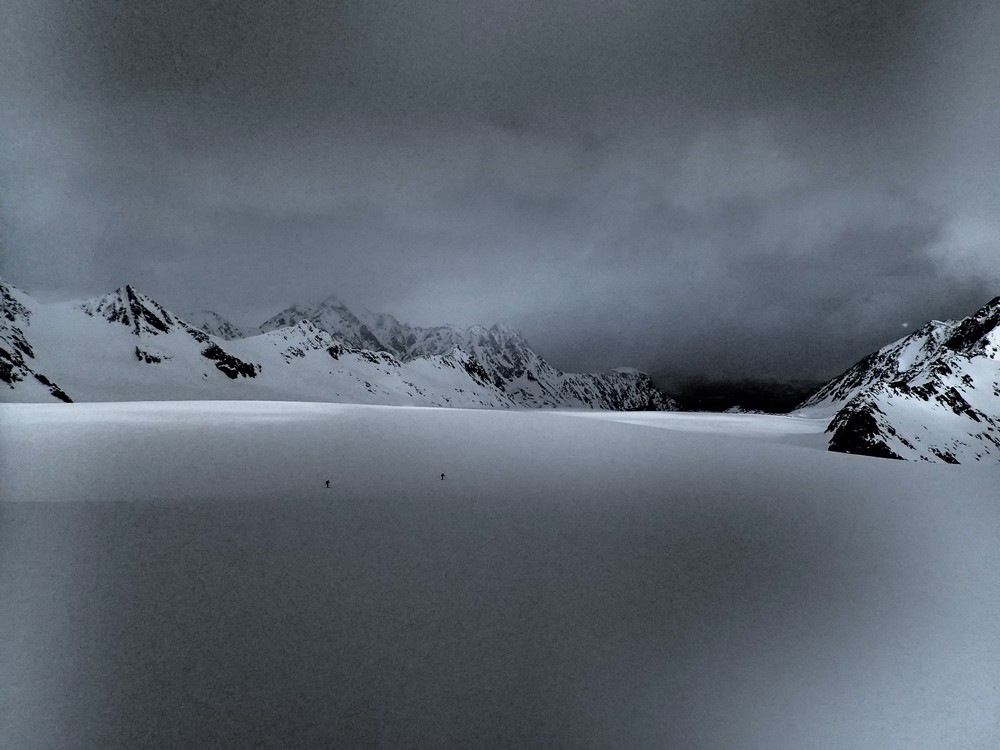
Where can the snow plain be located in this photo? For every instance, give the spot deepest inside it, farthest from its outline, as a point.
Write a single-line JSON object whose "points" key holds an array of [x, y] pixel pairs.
{"points": [[177, 575]]}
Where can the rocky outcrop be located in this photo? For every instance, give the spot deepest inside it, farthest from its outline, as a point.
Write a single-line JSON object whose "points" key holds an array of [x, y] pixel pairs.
{"points": [[15, 351]]}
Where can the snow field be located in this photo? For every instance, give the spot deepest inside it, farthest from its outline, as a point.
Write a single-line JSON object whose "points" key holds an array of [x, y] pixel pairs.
{"points": [[177, 575]]}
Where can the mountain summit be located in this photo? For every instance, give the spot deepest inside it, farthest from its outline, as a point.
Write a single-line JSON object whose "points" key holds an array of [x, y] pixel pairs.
{"points": [[126, 346]]}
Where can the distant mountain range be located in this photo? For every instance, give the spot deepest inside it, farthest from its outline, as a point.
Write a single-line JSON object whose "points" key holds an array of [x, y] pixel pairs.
{"points": [[126, 346], [934, 395]]}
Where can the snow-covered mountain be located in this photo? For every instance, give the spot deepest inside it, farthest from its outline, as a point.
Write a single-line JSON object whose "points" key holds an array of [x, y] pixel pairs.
{"points": [[504, 357], [126, 346], [932, 396]]}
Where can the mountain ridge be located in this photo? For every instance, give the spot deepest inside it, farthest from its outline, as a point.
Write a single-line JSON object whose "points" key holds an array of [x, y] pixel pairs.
{"points": [[124, 345], [502, 351], [933, 395]]}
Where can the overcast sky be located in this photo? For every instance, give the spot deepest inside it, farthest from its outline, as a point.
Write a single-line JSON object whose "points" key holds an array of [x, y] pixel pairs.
{"points": [[723, 187]]}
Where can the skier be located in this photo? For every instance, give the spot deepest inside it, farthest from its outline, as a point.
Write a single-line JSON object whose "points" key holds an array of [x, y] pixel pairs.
{"points": [[442, 477], [328, 484]]}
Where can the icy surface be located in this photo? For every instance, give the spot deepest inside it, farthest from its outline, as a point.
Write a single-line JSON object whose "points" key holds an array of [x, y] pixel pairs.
{"points": [[178, 575]]}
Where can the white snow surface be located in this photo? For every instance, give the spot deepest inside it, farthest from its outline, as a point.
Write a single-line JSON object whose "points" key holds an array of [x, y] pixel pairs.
{"points": [[176, 574]]}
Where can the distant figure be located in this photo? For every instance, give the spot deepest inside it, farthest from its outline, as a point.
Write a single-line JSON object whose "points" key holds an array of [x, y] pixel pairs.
{"points": [[442, 477], [328, 484]]}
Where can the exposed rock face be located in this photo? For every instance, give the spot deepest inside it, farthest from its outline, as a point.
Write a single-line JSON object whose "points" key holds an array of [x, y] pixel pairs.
{"points": [[861, 428], [138, 312], [931, 396], [232, 367], [14, 347], [978, 335], [15, 351]]}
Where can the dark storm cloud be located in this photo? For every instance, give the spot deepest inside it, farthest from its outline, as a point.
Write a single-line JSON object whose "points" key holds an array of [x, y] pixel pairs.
{"points": [[727, 187], [514, 60]]}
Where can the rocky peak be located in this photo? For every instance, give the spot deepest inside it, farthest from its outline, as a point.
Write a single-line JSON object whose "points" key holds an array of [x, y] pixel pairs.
{"points": [[131, 308], [139, 312], [979, 333]]}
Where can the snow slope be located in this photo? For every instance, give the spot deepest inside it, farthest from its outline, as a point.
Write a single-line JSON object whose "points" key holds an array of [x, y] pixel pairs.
{"points": [[126, 346], [177, 575], [880, 367], [931, 396]]}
